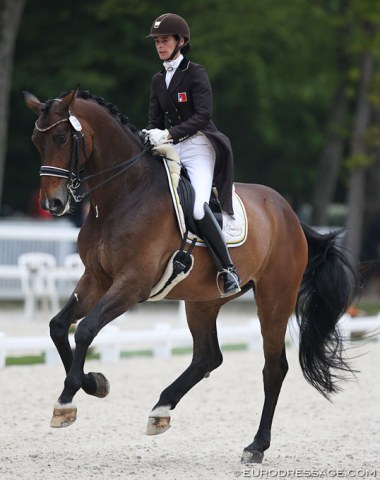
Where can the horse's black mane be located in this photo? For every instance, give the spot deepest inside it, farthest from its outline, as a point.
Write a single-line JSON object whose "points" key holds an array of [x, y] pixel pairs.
{"points": [[87, 95]]}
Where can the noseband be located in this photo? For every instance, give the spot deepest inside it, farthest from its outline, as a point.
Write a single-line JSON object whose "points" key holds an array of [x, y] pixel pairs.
{"points": [[73, 175]]}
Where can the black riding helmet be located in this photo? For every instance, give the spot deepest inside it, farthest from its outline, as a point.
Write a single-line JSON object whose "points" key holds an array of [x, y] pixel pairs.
{"points": [[172, 24]]}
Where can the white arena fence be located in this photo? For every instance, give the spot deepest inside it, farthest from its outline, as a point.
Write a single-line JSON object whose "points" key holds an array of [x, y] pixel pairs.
{"points": [[161, 340], [56, 237], [38, 264]]}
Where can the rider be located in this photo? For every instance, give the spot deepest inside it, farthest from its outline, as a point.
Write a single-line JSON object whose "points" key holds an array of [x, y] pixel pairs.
{"points": [[180, 112]]}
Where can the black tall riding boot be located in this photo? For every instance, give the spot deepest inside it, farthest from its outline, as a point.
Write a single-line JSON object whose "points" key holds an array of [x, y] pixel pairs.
{"points": [[213, 236]]}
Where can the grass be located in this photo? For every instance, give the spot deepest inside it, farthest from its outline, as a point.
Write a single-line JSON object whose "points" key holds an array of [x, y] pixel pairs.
{"points": [[370, 308], [25, 360], [39, 359]]}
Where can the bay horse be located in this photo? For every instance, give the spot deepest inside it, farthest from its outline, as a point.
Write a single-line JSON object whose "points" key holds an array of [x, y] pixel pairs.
{"points": [[131, 232]]}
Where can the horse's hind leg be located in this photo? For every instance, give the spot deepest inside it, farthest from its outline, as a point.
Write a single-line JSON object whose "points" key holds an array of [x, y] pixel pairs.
{"points": [[275, 369], [274, 309], [201, 318]]}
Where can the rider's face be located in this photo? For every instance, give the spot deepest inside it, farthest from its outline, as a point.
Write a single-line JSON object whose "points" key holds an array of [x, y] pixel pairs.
{"points": [[165, 45]]}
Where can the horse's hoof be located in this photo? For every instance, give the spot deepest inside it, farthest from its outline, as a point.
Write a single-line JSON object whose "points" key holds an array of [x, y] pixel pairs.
{"points": [[157, 425], [102, 385], [252, 456], [158, 421], [63, 415]]}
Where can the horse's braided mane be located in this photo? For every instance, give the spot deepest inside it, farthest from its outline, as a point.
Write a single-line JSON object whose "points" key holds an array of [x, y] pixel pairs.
{"points": [[87, 95]]}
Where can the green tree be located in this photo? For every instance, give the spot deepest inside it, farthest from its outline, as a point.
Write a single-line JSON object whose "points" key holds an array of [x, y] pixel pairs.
{"points": [[272, 65], [332, 154], [10, 14], [359, 160], [100, 45]]}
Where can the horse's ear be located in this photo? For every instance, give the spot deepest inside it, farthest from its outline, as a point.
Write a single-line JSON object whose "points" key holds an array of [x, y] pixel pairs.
{"points": [[68, 100], [32, 102]]}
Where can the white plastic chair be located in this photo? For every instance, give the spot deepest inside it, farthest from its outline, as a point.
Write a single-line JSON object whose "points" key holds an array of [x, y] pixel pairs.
{"points": [[73, 261], [74, 269], [65, 277], [36, 282]]}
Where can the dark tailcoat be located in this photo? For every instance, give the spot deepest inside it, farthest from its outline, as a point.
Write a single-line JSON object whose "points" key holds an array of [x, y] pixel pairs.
{"points": [[185, 109]]}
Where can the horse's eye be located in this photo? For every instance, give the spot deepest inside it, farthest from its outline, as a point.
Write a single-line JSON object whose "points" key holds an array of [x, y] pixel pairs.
{"points": [[60, 139]]}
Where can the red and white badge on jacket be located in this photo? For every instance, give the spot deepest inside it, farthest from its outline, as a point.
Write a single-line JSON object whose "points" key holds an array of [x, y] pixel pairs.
{"points": [[182, 97]]}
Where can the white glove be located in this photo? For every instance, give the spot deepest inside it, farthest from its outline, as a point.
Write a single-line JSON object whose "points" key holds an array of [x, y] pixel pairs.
{"points": [[145, 137], [157, 136]]}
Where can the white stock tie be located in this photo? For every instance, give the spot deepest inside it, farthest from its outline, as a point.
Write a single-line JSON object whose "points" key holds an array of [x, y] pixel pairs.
{"points": [[170, 67]]}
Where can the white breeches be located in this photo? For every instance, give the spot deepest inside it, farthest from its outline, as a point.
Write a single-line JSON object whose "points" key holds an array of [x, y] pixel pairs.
{"points": [[198, 156]]}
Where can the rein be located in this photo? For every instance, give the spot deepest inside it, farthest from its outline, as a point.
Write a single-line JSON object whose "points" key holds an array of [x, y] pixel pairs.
{"points": [[73, 175]]}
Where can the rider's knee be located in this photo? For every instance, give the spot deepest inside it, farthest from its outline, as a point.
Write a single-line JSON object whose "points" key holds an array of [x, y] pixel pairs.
{"points": [[199, 211]]}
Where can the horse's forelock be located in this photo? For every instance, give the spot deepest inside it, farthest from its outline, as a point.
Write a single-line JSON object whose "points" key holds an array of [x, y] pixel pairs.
{"points": [[47, 107], [49, 103]]}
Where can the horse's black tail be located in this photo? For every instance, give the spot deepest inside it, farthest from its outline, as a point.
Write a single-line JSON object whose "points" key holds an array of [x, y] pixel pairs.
{"points": [[327, 290]]}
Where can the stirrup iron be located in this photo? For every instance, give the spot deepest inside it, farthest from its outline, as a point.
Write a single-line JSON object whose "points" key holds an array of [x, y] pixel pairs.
{"points": [[231, 272]]}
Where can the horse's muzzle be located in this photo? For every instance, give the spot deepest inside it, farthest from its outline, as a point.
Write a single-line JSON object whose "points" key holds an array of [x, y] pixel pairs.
{"points": [[56, 206]]}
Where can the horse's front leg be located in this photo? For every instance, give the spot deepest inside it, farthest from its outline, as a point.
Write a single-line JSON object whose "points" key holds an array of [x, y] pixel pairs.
{"points": [[77, 307], [59, 330], [201, 318], [96, 384]]}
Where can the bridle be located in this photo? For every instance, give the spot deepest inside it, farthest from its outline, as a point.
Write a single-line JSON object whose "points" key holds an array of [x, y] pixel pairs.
{"points": [[74, 173]]}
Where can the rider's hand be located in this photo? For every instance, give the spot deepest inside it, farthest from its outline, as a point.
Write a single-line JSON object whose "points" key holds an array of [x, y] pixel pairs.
{"points": [[157, 136], [144, 134]]}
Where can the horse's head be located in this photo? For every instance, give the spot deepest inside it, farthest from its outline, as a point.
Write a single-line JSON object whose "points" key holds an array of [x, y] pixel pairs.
{"points": [[56, 135]]}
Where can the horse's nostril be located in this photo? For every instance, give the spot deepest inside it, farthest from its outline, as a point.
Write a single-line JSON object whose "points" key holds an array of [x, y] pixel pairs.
{"points": [[55, 205]]}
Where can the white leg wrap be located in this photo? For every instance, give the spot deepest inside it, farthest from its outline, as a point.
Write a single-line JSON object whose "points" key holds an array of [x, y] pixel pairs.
{"points": [[64, 405], [162, 411]]}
